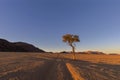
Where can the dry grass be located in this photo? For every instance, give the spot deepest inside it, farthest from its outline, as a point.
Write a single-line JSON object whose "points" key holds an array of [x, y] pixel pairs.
{"points": [[107, 59]]}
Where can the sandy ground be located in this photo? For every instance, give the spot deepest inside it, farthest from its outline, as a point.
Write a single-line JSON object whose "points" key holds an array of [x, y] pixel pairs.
{"points": [[38, 66]]}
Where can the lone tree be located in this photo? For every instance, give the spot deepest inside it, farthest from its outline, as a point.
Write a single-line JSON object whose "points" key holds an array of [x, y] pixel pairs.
{"points": [[70, 40]]}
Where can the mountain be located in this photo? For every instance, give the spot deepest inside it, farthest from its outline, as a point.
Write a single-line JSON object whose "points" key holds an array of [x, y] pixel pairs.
{"points": [[91, 52], [6, 46], [94, 52]]}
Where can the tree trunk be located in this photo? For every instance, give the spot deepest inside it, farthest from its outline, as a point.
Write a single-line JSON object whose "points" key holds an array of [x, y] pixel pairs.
{"points": [[73, 51]]}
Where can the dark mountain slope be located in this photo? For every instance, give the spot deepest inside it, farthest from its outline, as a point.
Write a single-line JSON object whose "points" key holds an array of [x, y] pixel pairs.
{"points": [[6, 46]]}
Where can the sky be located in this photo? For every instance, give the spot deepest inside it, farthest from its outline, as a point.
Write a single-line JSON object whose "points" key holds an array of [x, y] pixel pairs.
{"points": [[44, 22]]}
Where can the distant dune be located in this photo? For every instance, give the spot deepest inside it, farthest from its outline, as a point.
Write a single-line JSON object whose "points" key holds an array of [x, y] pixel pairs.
{"points": [[6, 46]]}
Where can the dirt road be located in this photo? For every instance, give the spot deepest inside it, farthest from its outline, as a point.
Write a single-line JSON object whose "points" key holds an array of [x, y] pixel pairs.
{"points": [[51, 68]]}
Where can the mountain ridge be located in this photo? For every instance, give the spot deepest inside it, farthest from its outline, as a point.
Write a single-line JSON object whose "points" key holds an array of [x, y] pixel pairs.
{"points": [[6, 46]]}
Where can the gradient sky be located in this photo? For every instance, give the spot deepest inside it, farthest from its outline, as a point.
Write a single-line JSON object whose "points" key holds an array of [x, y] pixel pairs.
{"points": [[43, 22]]}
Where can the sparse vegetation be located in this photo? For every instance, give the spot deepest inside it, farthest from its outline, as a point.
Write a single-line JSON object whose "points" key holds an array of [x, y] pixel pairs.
{"points": [[70, 40]]}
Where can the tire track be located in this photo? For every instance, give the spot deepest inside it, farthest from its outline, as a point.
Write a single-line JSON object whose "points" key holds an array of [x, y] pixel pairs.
{"points": [[50, 70], [58, 71], [75, 74]]}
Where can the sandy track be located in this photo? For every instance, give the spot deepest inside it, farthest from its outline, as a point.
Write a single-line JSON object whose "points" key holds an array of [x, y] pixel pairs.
{"points": [[74, 72], [34, 73], [58, 71], [94, 71], [50, 67], [45, 70]]}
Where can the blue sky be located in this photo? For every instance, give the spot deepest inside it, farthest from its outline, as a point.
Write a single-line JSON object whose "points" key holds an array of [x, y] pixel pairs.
{"points": [[43, 22]]}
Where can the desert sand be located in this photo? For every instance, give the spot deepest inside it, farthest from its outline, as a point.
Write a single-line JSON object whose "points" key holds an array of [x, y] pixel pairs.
{"points": [[47, 66]]}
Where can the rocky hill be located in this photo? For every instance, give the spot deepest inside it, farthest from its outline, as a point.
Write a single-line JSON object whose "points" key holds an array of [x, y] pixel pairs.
{"points": [[6, 46], [91, 52]]}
